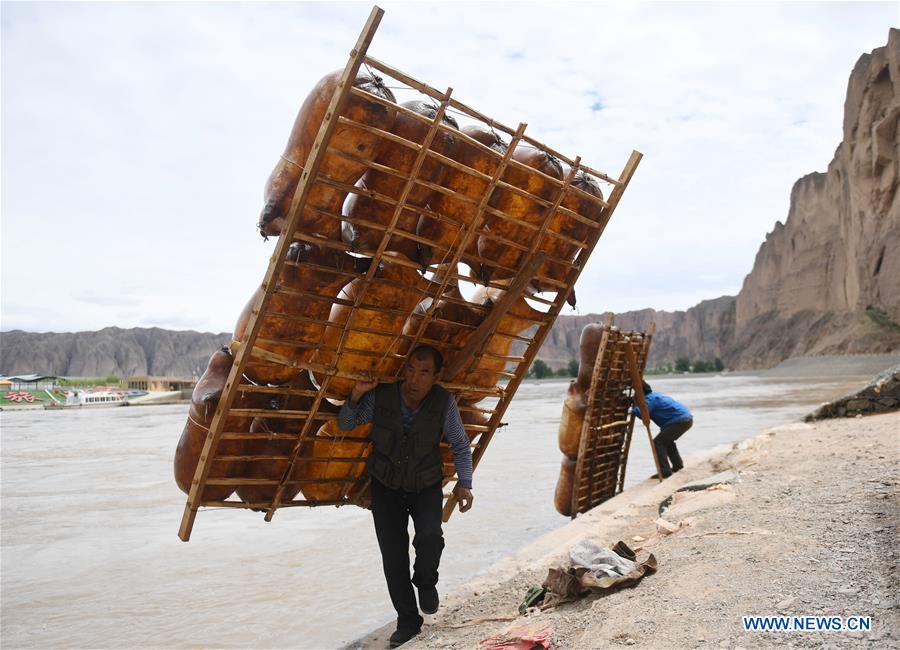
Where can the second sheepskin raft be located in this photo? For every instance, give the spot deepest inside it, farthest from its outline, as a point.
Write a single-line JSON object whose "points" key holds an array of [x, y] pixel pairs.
{"points": [[597, 422]]}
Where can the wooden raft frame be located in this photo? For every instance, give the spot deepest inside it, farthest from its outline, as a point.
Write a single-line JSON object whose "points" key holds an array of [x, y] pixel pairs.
{"points": [[608, 420], [466, 357]]}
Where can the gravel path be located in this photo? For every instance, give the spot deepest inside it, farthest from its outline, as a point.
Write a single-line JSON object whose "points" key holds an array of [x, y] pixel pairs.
{"points": [[810, 528]]}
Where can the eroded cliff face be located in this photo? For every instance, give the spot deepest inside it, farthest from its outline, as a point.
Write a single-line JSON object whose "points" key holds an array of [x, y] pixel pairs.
{"points": [[110, 351], [703, 332], [827, 281], [839, 249]]}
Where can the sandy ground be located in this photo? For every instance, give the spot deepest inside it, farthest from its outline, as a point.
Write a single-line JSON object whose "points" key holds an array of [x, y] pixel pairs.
{"points": [[810, 527]]}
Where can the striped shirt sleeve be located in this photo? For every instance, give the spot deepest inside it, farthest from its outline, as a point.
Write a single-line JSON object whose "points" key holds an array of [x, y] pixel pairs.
{"points": [[354, 414], [455, 435]]}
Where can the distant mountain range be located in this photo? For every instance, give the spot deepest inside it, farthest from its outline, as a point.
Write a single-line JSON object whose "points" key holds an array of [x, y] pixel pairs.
{"points": [[110, 351], [702, 332], [827, 281]]}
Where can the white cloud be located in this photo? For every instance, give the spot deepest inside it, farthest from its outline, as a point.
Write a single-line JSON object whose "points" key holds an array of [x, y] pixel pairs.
{"points": [[138, 136]]}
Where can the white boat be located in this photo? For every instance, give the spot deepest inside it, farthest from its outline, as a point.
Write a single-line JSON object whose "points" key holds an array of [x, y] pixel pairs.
{"points": [[91, 399]]}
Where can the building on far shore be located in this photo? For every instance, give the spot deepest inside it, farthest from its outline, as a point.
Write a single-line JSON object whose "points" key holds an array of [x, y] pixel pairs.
{"points": [[148, 383], [28, 382]]}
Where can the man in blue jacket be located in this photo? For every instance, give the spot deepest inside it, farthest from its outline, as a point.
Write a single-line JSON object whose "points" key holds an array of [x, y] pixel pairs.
{"points": [[673, 419]]}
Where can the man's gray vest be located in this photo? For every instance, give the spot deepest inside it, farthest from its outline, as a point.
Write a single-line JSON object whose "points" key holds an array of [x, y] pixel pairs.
{"points": [[411, 462]]}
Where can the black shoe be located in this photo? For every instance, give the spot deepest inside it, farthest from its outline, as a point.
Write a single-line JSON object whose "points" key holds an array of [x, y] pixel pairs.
{"points": [[429, 600], [400, 636]]}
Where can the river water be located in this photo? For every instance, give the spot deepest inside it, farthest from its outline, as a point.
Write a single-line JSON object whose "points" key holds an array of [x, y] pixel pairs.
{"points": [[90, 514]]}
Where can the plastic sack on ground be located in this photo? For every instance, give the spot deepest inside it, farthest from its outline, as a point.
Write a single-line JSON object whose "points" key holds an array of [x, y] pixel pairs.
{"points": [[600, 562]]}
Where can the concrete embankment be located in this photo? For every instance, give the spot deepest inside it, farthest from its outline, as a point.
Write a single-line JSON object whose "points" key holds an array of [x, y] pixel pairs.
{"points": [[157, 398]]}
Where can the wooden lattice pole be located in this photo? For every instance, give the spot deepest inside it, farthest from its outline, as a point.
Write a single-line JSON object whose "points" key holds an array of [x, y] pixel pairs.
{"points": [[642, 404], [465, 354], [561, 298], [589, 413], [276, 263], [532, 262], [369, 277], [645, 354]]}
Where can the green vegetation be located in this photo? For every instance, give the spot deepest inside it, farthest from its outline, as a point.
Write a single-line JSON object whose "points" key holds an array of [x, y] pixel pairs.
{"points": [[111, 380], [707, 366], [878, 316], [540, 370], [684, 364]]}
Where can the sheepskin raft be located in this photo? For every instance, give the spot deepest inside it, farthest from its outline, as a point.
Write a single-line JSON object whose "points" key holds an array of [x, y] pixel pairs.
{"points": [[597, 422], [383, 208]]}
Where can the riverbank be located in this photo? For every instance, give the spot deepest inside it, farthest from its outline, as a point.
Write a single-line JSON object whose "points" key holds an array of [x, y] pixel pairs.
{"points": [[154, 398], [809, 528]]}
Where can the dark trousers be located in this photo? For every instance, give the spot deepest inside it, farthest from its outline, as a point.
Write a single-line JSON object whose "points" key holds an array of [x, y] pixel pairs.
{"points": [[666, 450], [391, 510]]}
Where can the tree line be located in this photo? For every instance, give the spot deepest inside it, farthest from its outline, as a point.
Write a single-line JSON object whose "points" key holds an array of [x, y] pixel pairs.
{"points": [[541, 370], [685, 364]]}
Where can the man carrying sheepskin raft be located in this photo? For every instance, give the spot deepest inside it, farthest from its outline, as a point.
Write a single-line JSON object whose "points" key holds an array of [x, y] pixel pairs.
{"points": [[406, 470]]}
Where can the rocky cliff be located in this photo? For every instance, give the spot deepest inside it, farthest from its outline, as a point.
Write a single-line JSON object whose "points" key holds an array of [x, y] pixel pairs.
{"points": [[839, 249], [828, 279], [110, 351], [705, 331]]}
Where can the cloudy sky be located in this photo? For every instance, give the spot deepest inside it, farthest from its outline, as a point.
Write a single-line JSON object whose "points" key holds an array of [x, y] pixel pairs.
{"points": [[136, 137]]}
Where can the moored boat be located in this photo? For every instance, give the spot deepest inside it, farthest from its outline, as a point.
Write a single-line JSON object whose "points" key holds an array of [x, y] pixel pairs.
{"points": [[91, 399]]}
